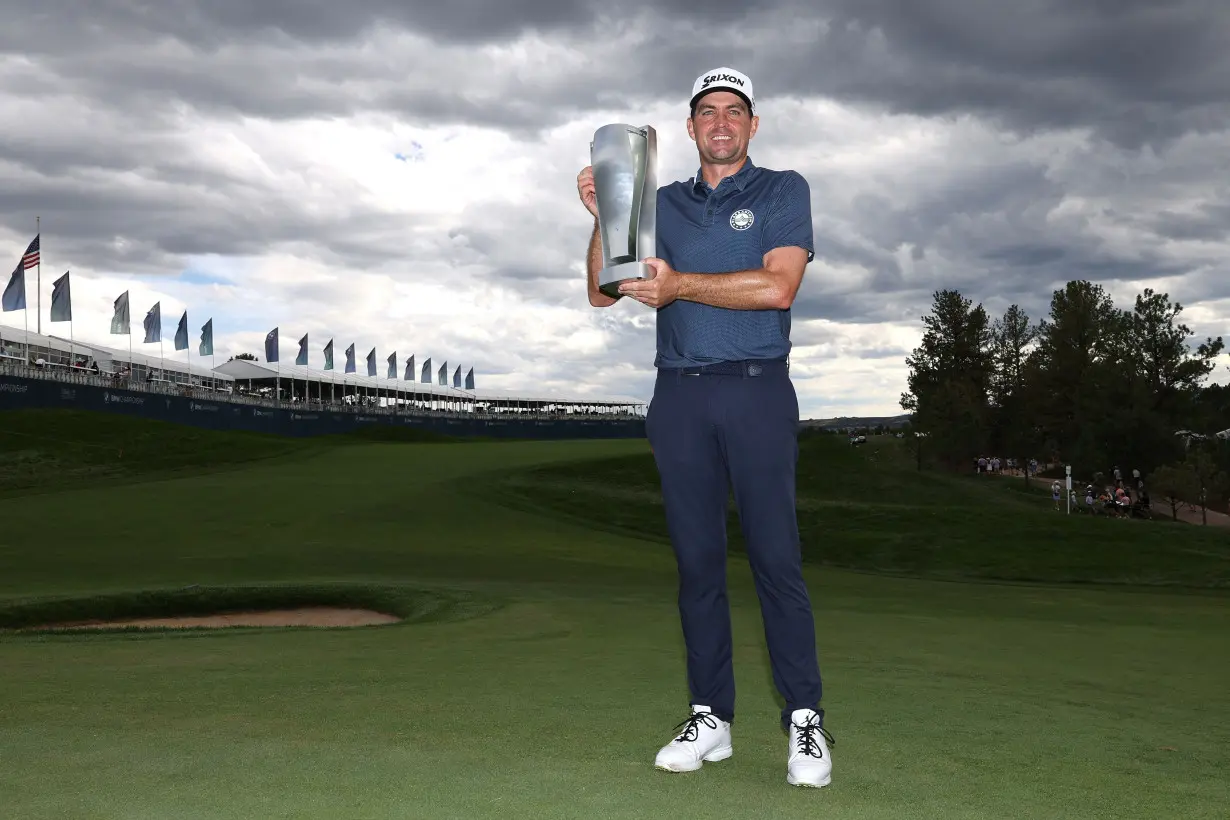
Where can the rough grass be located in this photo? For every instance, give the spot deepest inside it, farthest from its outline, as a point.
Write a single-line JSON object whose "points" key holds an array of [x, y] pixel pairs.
{"points": [[868, 508]]}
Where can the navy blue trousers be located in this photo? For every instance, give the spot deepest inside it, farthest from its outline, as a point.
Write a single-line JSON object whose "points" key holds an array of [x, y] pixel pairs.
{"points": [[735, 427]]}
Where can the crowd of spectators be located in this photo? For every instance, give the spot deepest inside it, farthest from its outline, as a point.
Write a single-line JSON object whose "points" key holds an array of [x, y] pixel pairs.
{"points": [[1122, 498]]}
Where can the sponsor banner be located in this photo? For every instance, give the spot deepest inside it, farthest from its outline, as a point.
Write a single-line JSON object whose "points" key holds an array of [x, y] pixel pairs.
{"points": [[122, 398]]}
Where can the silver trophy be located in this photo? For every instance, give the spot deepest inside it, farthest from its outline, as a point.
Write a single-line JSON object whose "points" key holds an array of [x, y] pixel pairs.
{"points": [[625, 163]]}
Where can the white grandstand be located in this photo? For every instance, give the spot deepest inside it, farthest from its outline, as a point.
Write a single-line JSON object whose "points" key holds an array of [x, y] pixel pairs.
{"points": [[246, 380], [56, 352]]}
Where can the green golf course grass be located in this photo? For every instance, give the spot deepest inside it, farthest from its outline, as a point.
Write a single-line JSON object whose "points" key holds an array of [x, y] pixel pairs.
{"points": [[983, 656]]}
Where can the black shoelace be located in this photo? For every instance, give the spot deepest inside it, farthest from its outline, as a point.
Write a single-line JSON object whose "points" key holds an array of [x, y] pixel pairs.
{"points": [[692, 723], [808, 744]]}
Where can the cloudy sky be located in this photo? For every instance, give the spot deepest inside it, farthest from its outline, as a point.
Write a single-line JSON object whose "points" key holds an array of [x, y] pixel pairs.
{"points": [[402, 174]]}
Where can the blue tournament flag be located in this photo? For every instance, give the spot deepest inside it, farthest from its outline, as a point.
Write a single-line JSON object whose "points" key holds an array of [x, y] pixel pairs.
{"points": [[120, 323], [425, 378], [393, 366], [350, 358], [153, 324], [329, 355], [15, 291], [371, 363], [457, 377], [181, 333], [271, 345], [409, 375], [470, 379], [442, 376], [207, 339], [301, 359], [62, 300]]}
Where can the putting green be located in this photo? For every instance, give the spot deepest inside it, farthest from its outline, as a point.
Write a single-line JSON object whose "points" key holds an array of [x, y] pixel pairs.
{"points": [[947, 699]]}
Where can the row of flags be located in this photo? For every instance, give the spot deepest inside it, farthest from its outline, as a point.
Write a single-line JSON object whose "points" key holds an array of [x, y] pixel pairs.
{"points": [[152, 325], [14, 298], [272, 354]]}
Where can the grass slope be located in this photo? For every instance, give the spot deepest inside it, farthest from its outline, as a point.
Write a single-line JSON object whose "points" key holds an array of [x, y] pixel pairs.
{"points": [[867, 508], [48, 449], [55, 449], [947, 700]]}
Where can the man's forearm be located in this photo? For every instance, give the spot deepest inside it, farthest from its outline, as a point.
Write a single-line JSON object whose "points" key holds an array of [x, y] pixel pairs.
{"points": [[758, 289], [593, 265]]}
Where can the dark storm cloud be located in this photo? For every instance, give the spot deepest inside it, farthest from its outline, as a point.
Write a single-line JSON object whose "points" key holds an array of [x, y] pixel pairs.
{"points": [[1133, 71], [209, 23], [1210, 223], [185, 212], [116, 163]]}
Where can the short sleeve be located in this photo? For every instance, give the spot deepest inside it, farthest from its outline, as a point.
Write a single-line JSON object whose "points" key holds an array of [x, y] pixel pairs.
{"points": [[661, 248], [789, 220]]}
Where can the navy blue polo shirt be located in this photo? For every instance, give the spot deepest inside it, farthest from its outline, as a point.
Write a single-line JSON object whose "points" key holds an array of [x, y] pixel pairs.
{"points": [[701, 229]]}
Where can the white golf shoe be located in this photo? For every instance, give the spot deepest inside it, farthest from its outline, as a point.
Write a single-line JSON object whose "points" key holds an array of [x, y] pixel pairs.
{"points": [[705, 739], [809, 763]]}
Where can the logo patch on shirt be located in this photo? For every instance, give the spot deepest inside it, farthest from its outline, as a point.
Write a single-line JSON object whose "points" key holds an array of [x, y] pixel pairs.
{"points": [[742, 219]]}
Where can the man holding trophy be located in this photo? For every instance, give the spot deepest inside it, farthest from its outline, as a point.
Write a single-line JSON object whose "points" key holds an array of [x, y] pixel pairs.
{"points": [[720, 257]]}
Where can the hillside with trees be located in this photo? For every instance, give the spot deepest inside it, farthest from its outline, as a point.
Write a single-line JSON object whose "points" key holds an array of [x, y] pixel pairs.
{"points": [[1090, 385]]}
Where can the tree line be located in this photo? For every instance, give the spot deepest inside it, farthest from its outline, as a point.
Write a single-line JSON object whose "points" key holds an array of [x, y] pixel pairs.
{"points": [[1090, 385]]}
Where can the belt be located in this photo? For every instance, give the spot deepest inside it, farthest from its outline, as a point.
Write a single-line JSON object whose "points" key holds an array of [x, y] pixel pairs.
{"points": [[746, 367]]}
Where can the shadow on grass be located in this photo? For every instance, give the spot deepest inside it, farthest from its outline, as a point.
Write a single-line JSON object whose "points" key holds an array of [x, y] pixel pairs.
{"points": [[53, 450]]}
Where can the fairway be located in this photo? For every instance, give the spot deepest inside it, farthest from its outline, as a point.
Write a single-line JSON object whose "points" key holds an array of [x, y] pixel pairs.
{"points": [[551, 669]]}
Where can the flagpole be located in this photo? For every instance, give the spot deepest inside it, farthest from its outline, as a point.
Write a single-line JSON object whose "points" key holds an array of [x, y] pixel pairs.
{"points": [[38, 231]]}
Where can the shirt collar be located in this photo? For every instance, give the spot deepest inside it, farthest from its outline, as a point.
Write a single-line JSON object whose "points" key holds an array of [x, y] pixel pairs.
{"points": [[738, 179]]}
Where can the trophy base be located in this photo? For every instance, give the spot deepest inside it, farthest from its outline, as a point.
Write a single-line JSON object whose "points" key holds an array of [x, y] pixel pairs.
{"points": [[610, 277]]}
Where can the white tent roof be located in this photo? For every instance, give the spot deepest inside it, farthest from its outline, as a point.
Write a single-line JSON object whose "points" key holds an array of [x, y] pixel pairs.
{"points": [[242, 369]]}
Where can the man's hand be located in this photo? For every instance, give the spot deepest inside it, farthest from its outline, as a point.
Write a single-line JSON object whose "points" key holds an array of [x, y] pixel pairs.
{"points": [[657, 292], [586, 190]]}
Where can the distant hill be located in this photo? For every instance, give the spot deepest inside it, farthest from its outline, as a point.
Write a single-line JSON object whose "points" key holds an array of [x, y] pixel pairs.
{"points": [[857, 422]]}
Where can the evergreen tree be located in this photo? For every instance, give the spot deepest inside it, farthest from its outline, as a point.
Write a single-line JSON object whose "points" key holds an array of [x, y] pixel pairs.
{"points": [[1011, 338], [950, 378], [1078, 345]]}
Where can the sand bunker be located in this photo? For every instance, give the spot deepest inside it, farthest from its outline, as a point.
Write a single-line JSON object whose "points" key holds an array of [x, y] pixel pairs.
{"points": [[305, 616]]}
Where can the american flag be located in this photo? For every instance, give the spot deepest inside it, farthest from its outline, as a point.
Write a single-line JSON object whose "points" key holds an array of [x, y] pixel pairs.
{"points": [[31, 258]]}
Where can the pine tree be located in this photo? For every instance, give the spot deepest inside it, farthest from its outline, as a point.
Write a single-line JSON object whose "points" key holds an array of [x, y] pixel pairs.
{"points": [[950, 377]]}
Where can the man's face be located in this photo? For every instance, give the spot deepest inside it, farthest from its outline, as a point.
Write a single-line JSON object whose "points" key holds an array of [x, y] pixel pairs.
{"points": [[722, 127]]}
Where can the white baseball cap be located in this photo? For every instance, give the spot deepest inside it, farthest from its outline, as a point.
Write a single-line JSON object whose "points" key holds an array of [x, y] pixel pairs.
{"points": [[726, 79]]}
